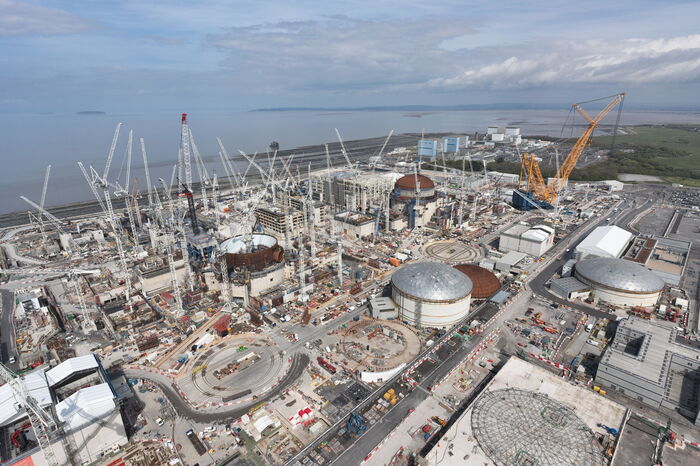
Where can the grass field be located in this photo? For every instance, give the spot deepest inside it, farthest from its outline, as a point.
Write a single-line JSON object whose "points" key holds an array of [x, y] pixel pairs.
{"points": [[678, 150]]}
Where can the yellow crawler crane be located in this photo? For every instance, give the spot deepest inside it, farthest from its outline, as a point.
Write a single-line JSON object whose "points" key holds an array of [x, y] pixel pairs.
{"points": [[536, 192]]}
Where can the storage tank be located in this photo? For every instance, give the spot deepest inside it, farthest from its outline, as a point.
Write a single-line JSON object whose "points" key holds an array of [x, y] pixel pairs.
{"points": [[431, 294], [620, 282]]}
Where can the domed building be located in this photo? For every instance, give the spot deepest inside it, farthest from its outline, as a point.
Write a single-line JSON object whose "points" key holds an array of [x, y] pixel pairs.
{"points": [[431, 294], [256, 258], [484, 283], [415, 193], [620, 282]]}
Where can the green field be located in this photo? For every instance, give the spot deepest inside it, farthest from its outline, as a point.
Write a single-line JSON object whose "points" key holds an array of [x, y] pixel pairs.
{"points": [[671, 152]]}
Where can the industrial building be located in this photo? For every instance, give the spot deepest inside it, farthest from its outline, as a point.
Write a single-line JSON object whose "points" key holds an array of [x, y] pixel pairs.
{"points": [[255, 263], [570, 288], [414, 194], [484, 283], [619, 282], [276, 222], [607, 241], [531, 240], [431, 294], [355, 225], [665, 257], [527, 415], [79, 395], [353, 191], [648, 362]]}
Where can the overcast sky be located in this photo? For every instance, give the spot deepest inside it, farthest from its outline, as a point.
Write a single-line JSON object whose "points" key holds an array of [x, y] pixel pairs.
{"points": [[153, 56]]}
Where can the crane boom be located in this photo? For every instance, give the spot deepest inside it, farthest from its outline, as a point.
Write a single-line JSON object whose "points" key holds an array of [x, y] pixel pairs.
{"points": [[536, 185]]}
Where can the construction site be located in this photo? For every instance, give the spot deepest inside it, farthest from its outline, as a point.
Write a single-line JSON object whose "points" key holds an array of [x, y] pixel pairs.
{"points": [[301, 309]]}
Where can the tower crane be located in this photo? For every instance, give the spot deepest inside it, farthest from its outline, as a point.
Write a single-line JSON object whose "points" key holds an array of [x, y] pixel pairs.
{"points": [[536, 192]]}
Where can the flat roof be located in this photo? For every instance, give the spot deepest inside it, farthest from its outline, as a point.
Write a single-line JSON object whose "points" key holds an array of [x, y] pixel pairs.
{"points": [[36, 385], [590, 408], [86, 406], [570, 284], [69, 367]]}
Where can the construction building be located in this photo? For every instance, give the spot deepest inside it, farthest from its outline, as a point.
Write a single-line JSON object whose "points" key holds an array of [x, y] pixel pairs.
{"points": [[358, 192], [355, 225], [648, 362], [278, 223], [415, 195], [607, 241], [619, 282], [79, 395], [531, 240], [255, 263]]}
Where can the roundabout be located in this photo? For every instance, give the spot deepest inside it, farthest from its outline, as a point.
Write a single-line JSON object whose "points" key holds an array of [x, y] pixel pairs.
{"points": [[451, 252], [239, 369]]}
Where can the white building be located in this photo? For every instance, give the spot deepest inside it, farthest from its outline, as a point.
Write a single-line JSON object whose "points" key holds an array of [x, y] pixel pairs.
{"points": [[79, 394], [607, 241], [431, 294], [531, 240], [620, 282], [354, 224], [612, 185]]}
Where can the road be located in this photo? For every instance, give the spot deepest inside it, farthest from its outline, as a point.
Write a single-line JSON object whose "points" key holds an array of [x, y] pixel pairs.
{"points": [[299, 363], [537, 284], [7, 329]]}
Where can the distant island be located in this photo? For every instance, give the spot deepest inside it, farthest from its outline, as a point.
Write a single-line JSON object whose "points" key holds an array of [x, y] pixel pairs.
{"points": [[92, 112], [415, 108]]}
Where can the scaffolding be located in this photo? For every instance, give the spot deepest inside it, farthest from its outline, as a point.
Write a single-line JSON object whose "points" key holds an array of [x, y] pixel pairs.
{"points": [[522, 428]]}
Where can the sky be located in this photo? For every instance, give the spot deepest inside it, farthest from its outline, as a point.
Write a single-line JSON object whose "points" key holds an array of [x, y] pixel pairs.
{"points": [[159, 56]]}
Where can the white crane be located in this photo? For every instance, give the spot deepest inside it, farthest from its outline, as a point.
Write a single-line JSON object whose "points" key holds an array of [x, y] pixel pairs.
{"points": [[148, 175], [173, 279], [185, 152], [37, 217]]}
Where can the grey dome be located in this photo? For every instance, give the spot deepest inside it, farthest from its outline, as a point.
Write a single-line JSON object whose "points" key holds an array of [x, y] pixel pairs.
{"points": [[431, 281], [618, 274]]}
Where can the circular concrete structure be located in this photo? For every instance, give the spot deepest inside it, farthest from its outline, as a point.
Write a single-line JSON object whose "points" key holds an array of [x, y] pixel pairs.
{"points": [[431, 294], [519, 427], [485, 283], [620, 282], [451, 252]]}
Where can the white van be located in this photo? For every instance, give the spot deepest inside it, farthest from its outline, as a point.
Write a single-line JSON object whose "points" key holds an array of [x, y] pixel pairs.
{"points": [[589, 327]]}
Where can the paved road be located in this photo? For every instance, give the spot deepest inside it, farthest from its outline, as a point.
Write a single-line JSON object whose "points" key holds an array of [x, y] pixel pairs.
{"points": [[299, 363], [538, 282], [7, 329], [380, 430]]}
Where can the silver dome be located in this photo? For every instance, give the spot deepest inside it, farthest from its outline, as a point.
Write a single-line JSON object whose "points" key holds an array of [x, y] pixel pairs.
{"points": [[431, 281], [619, 274]]}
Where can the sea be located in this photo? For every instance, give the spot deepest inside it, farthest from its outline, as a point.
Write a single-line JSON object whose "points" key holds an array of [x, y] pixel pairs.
{"points": [[31, 142]]}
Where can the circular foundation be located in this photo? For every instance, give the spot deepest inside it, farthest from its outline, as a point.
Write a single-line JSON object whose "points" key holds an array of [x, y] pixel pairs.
{"points": [[390, 344], [518, 427], [234, 370], [451, 252]]}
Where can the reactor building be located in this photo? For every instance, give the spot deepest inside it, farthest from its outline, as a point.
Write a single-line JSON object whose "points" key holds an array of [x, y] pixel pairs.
{"points": [[431, 294], [416, 194], [620, 282], [257, 260]]}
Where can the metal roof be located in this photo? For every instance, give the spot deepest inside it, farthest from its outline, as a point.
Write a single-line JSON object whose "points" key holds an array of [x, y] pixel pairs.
{"points": [[69, 367], [86, 406], [619, 274], [37, 387], [607, 241], [431, 281]]}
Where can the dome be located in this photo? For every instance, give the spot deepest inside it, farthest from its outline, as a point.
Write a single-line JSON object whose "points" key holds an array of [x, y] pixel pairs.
{"points": [[485, 283], [409, 182], [431, 281], [618, 274]]}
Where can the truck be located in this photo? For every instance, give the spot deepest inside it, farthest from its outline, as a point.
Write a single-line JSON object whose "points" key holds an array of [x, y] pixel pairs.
{"points": [[326, 365], [196, 442]]}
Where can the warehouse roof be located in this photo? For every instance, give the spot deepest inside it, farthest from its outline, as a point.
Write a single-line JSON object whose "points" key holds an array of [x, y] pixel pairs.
{"points": [[69, 367], [86, 406], [607, 241], [36, 385]]}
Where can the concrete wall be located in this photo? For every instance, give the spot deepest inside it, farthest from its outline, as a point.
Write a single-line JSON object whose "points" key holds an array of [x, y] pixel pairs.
{"points": [[619, 298]]}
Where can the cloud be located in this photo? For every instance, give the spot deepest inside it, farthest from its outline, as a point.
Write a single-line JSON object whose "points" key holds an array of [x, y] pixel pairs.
{"points": [[18, 18], [339, 53], [675, 59]]}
